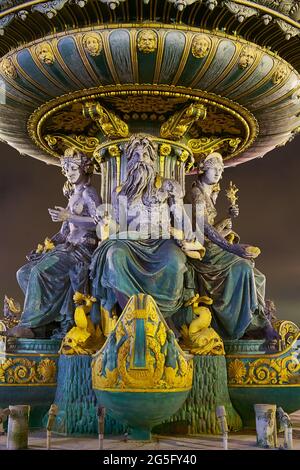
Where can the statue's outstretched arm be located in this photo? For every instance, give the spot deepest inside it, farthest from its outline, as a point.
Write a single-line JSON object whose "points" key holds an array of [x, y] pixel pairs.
{"points": [[91, 199], [214, 236]]}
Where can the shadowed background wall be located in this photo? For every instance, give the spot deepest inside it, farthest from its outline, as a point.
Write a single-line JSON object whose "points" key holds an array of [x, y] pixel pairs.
{"points": [[269, 200]]}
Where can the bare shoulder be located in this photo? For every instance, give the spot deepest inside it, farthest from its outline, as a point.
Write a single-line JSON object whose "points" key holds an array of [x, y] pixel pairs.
{"points": [[90, 193]]}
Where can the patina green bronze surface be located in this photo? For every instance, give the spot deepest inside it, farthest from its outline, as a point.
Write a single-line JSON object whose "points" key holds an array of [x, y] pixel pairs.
{"points": [[198, 413]]}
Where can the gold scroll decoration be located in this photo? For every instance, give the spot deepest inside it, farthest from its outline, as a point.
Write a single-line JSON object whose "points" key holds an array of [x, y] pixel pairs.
{"points": [[206, 145], [80, 142], [263, 371], [109, 123], [21, 371], [179, 123]]}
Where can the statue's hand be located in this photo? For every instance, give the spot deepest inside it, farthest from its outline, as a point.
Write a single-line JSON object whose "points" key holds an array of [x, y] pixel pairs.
{"points": [[225, 224], [245, 251], [193, 249], [59, 214]]}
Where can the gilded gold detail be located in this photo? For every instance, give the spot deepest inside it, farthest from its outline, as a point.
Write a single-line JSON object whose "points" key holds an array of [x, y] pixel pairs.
{"points": [[231, 193], [164, 366], [8, 68], [11, 314], [245, 123], [199, 338], [236, 371], [110, 124], [218, 122], [85, 337], [147, 41], [69, 120], [280, 74], [204, 146], [92, 43], [263, 371], [21, 371], [108, 321], [114, 151], [152, 104], [101, 151], [200, 46], [44, 53], [48, 245], [184, 156], [179, 124], [165, 149], [141, 313], [247, 57], [288, 332], [13, 306], [79, 142]]}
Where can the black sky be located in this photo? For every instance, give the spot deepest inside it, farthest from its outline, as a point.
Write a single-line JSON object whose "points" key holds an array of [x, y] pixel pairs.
{"points": [[269, 217]]}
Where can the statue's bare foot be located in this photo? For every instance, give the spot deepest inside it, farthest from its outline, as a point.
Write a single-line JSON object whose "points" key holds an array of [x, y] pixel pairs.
{"points": [[20, 332]]}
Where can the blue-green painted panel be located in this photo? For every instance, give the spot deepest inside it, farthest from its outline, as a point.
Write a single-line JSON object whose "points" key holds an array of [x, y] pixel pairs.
{"points": [[120, 48], [223, 55], [27, 63], [174, 46], [101, 69], [140, 345], [146, 66], [263, 68], [69, 52], [191, 69], [235, 74], [268, 86]]}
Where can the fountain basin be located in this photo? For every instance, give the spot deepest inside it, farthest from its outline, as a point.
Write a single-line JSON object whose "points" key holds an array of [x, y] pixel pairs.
{"points": [[256, 376], [141, 375], [28, 371], [141, 411]]}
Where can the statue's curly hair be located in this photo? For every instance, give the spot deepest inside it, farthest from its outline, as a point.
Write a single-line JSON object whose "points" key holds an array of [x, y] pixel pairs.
{"points": [[210, 161], [82, 160], [141, 139]]}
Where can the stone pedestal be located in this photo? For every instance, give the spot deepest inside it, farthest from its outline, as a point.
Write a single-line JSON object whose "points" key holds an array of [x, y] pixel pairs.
{"points": [[17, 431], [266, 433], [198, 414]]}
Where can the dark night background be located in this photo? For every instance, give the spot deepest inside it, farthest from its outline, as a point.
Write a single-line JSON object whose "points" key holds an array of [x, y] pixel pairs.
{"points": [[269, 217]]}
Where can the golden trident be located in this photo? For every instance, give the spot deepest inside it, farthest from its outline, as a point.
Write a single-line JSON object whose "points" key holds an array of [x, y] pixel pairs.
{"points": [[231, 194]]}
